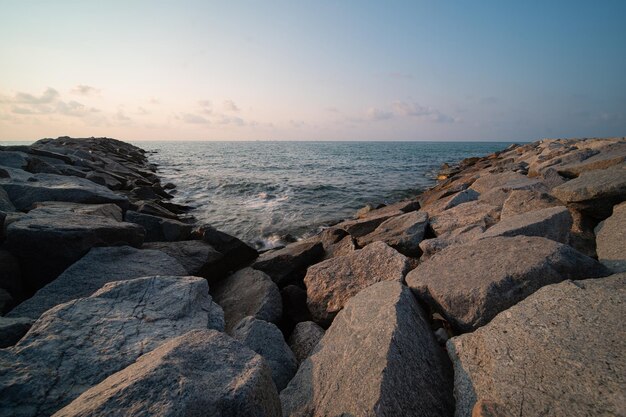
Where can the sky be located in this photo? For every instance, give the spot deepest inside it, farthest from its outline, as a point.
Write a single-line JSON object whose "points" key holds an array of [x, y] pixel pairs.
{"points": [[313, 70]]}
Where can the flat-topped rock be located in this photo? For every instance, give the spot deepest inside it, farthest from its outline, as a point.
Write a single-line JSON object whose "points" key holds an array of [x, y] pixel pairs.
{"points": [[508, 180], [469, 284], [403, 233], [609, 155], [522, 201], [267, 340], [288, 265], [197, 257], [454, 237], [557, 353], [203, 372], [248, 292], [552, 223], [611, 240], [331, 283], [379, 357], [46, 244], [98, 267], [74, 346], [159, 228], [111, 211], [463, 215]]}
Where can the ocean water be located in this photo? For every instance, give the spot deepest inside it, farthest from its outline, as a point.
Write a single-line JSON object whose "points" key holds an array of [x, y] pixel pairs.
{"points": [[269, 193]]}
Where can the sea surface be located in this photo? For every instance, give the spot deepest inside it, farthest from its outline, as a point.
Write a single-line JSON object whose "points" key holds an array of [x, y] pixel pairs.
{"points": [[270, 193]]}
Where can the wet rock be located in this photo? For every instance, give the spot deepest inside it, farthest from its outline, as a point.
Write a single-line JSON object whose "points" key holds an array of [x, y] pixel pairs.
{"points": [[51, 187], [92, 271], [611, 240], [288, 265], [196, 256], [266, 339], [469, 284], [403, 233], [555, 353], [203, 372], [12, 329], [595, 192], [248, 292], [523, 201], [331, 283], [305, 336], [76, 345], [472, 213], [552, 223], [160, 229], [379, 357], [46, 244]]}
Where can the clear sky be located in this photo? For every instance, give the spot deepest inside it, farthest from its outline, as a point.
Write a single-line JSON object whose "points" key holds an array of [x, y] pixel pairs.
{"points": [[313, 70]]}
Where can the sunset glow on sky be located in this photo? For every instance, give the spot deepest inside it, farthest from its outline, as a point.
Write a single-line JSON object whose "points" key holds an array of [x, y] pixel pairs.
{"points": [[295, 70]]}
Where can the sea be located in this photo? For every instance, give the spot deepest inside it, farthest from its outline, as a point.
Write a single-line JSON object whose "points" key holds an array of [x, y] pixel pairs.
{"points": [[271, 193]]}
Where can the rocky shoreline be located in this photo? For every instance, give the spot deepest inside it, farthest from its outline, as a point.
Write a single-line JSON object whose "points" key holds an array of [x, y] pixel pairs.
{"points": [[498, 292]]}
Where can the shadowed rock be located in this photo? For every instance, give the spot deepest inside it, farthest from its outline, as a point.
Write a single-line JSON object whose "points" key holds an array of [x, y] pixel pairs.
{"points": [[611, 240], [197, 257], [288, 265], [305, 336], [552, 223], [463, 215], [160, 229], [12, 329], [403, 233], [523, 201]]}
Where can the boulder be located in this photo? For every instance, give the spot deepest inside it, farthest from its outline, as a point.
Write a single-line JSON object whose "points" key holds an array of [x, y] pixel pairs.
{"points": [[474, 212], [104, 179], [110, 211], [523, 201], [611, 240], [198, 258], [595, 192], [559, 352], [46, 244], [461, 197], [305, 336], [379, 357], [608, 156], [5, 201], [76, 345], [369, 223], [454, 237], [288, 265], [248, 292], [203, 372], [552, 223], [51, 187], [236, 253], [266, 339], [160, 229], [331, 283], [336, 242], [14, 159], [507, 180], [92, 271], [403, 233], [12, 329], [469, 284]]}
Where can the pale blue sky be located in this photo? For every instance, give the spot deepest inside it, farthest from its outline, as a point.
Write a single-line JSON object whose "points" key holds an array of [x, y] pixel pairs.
{"points": [[418, 70]]}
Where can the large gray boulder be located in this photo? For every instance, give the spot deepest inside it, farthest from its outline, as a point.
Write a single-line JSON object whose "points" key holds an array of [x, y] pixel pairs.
{"points": [[463, 215], [523, 201], [611, 240], [288, 265], [197, 257], [74, 346], [403, 233], [469, 284], [379, 358], [52, 187], [552, 223], [506, 180], [92, 271], [46, 244], [159, 228], [203, 372], [331, 283], [248, 292], [267, 340], [5, 202], [305, 336], [559, 352], [595, 192]]}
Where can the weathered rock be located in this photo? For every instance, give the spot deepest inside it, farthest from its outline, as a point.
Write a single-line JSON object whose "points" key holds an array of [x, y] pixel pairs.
{"points": [[104, 179], [203, 372], [13, 159], [92, 271], [74, 346], [379, 357], [523, 201], [336, 242], [248, 292], [51, 187], [236, 253], [196, 256], [111, 211], [10, 274], [556, 353], [46, 244], [454, 237], [305, 336], [331, 283], [508, 180], [474, 212], [288, 265], [552, 223], [611, 240], [595, 192], [461, 197], [469, 284], [266, 339], [160, 229], [5, 201], [365, 225], [610, 155], [403, 233], [12, 329]]}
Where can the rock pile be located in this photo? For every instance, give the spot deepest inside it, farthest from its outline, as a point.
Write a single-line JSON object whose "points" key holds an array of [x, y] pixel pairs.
{"points": [[497, 292]]}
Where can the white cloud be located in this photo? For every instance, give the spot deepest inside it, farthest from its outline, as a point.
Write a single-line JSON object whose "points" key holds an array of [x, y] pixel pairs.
{"points": [[230, 105], [85, 90]]}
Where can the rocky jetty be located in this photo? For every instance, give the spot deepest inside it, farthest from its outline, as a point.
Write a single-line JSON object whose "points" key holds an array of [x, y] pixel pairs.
{"points": [[498, 292]]}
